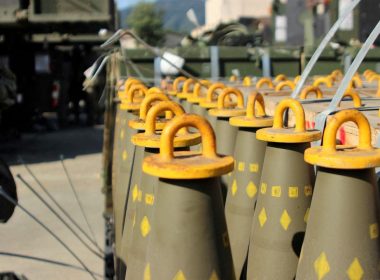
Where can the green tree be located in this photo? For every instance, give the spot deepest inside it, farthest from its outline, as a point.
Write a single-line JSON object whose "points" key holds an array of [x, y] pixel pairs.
{"points": [[147, 21]]}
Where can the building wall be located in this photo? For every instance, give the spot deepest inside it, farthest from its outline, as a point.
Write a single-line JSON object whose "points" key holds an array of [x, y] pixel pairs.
{"points": [[218, 11]]}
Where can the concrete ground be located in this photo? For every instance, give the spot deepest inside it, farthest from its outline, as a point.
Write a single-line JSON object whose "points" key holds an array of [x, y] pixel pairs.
{"points": [[82, 150]]}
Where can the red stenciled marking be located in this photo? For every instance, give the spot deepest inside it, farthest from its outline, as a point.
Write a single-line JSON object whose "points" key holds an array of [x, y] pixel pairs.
{"points": [[342, 136], [310, 124]]}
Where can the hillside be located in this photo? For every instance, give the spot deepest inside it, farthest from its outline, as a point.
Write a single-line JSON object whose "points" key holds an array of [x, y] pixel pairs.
{"points": [[174, 14]]}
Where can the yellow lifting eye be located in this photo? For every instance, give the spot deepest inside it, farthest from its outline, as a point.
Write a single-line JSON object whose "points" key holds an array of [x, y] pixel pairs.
{"points": [[343, 157], [188, 164], [278, 133]]}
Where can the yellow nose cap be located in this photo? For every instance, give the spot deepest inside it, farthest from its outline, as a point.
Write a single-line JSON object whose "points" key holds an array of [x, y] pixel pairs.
{"points": [[281, 134], [344, 157], [188, 164]]}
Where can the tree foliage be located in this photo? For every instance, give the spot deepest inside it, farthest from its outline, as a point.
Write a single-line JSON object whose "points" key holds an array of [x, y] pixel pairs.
{"points": [[147, 21]]}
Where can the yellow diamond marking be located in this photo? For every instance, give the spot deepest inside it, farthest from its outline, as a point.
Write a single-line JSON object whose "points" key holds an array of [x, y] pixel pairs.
{"points": [[214, 276], [149, 199], [135, 193], [251, 190], [355, 271], [179, 276], [234, 188], [285, 220], [122, 134], [374, 231], [263, 188], [139, 197], [262, 217], [293, 192], [276, 191], [254, 167], [241, 166], [306, 217], [308, 190], [125, 155], [321, 266], [145, 227], [147, 272]]}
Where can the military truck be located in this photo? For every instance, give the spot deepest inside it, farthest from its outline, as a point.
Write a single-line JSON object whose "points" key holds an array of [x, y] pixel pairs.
{"points": [[48, 44]]}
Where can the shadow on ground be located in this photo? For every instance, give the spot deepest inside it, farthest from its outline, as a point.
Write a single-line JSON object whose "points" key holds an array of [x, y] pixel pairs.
{"points": [[48, 146]]}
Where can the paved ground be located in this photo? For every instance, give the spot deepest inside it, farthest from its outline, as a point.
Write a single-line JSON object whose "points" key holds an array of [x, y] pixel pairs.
{"points": [[82, 150]]}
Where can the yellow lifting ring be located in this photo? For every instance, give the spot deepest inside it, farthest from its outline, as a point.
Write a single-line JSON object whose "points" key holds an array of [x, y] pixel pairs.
{"points": [[366, 72], [253, 119], [355, 83], [323, 80], [196, 96], [187, 90], [284, 84], [264, 81], [279, 134], [188, 164], [280, 78], [223, 109], [337, 73], [150, 139], [233, 78], [309, 89], [154, 90], [140, 88], [247, 81], [123, 91], [176, 85], [297, 79], [378, 88], [344, 157], [132, 102], [354, 96], [131, 81], [146, 104], [373, 78], [210, 101]]}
